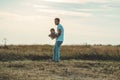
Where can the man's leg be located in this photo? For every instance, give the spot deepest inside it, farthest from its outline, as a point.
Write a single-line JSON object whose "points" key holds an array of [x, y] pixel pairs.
{"points": [[58, 51], [56, 54], [54, 51]]}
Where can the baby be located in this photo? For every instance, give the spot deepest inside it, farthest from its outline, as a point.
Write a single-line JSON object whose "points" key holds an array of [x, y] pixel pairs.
{"points": [[52, 33]]}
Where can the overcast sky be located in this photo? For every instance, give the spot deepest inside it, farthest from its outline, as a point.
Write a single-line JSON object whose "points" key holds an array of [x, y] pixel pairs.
{"points": [[84, 21]]}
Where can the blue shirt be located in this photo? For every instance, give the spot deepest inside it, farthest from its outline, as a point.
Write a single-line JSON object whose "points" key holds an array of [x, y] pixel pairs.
{"points": [[61, 36]]}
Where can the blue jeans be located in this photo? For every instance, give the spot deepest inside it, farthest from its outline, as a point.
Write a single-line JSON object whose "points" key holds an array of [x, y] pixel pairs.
{"points": [[56, 54]]}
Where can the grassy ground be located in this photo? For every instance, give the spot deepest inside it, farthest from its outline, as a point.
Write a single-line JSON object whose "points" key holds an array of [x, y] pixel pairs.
{"points": [[65, 70], [85, 62]]}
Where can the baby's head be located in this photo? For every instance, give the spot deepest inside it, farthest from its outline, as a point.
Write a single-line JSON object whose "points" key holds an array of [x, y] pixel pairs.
{"points": [[52, 30]]}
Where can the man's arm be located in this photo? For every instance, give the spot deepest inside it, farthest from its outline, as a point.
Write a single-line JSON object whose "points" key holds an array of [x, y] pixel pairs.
{"points": [[59, 33]]}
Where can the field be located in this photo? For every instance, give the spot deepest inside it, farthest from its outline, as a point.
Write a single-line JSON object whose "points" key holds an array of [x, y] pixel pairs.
{"points": [[78, 62]]}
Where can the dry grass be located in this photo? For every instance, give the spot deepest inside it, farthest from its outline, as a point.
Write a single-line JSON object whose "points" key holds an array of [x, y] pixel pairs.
{"points": [[65, 70], [78, 62], [44, 52]]}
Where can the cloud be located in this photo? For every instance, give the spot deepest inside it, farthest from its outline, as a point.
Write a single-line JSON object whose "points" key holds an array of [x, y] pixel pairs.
{"points": [[85, 10], [19, 17], [102, 8], [48, 9], [35, 5], [43, 9], [78, 1], [7, 14], [40, 6], [64, 12]]}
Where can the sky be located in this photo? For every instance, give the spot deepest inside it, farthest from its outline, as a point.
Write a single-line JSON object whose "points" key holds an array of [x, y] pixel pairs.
{"points": [[84, 21]]}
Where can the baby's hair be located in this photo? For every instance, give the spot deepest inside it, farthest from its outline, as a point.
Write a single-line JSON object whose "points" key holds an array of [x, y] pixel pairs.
{"points": [[52, 29]]}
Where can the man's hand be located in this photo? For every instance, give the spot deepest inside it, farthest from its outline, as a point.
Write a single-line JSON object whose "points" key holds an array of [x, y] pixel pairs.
{"points": [[59, 33]]}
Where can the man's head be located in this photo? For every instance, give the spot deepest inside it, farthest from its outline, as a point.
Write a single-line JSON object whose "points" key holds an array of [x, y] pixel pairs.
{"points": [[57, 21]]}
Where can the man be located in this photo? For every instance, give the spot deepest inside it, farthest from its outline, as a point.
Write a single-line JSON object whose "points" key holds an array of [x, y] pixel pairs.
{"points": [[59, 40]]}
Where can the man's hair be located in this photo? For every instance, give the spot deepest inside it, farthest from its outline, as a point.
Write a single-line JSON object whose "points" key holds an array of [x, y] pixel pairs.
{"points": [[58, 19]]}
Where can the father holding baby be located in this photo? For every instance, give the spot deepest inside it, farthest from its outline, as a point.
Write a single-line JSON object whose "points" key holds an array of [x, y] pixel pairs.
{"points": [[59, 36]]}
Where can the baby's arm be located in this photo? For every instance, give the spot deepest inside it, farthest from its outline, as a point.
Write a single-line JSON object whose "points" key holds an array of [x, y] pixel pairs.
{"points": [[53, 35]]}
